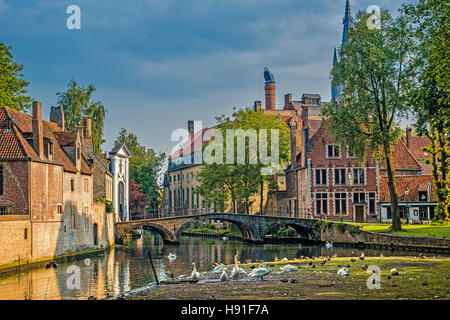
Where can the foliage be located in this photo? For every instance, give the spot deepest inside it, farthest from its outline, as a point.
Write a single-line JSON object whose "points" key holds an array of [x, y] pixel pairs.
{"points": [[138, 199], [378, 68], [431, 98], [12, 86], [145, 167], [221, 183], [76, 102], [109, 208]]}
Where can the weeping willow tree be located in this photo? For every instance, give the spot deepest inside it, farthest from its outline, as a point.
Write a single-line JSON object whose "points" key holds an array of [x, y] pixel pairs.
{"points": [[378, 70], [76, 102]]}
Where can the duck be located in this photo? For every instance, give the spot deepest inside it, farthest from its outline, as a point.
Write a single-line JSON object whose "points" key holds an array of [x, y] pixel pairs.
{"points": [[323, 262], [293, 281], [195, 275], [365, 267], [352, 259], [288, 268], [172, 257], [342, 272], [237, 270], [225, 238], [284, 259], [87, 261], [394, 272], [362, 256], [248, 261], [219, 268], [259, 272], [52, 264], [329, 245], [211, 298], [223, 276]]}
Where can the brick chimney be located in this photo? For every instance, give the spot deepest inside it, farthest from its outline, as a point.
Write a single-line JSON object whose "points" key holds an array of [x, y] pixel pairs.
{"points": [[270, 88], [191, 128], [257, 106], [305, 135], [57, 116], [287, 99], [87, 130], [38, 132], [408, 136]]}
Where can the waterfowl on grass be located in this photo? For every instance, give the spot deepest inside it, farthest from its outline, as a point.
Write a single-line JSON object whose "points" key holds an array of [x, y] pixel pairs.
{"points": [[342, 272], [259, 272], [288, 268], [223, 276], [237, 270], [329, 245], [362, 256], [219, 268], [365, 267]]}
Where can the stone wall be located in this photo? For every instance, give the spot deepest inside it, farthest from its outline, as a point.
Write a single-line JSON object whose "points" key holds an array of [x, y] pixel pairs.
{"points": [[12, 233], [367, 237]]}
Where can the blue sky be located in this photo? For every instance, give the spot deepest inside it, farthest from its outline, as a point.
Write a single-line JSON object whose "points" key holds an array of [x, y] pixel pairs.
{"points": [[158, 63]]}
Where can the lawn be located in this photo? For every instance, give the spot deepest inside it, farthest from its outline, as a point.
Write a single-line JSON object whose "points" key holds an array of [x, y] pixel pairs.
{"points": [[413, 230]]}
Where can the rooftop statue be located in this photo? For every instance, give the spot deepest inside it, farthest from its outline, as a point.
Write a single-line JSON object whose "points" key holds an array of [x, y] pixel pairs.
{"points": [[268, 76]]}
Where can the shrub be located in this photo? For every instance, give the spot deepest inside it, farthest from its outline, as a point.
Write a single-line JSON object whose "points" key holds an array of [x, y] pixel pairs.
{"points": [[109, 208]]}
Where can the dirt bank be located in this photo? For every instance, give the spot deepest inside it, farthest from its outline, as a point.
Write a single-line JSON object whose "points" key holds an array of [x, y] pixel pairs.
{"points": [[418, 279]]}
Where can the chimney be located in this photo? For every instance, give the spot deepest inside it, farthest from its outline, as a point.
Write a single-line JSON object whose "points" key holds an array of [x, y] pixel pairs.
{"points": [[191, 127], [79, 129], [87, 130], [408, 136], [293, 126], [257, 106], [57, 116], [287, 99], [269, 89], [38, 134], [306, 145]]}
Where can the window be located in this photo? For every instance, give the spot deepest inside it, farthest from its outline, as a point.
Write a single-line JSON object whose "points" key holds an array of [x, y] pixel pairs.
{"points": [[72, 185], [321, 176], [1, 180], [358, 176], [359, 197], [86, 217], [333, 151], [187, 198], [339, 176], [192, 198], [372, 203], [340, 203], [59, 208], [423, 196], [86, 185], [72, 218], [50, 148], [321, 203], [78, 152], [25, 233], [6, 211], [388, 213]]}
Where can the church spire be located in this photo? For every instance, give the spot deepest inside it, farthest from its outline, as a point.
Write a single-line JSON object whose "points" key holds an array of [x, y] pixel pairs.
{"points": [[347, 21], [335, 89]]}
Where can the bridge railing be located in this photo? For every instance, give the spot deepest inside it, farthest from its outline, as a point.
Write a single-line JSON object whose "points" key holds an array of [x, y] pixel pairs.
{"points": [[183, 212]]}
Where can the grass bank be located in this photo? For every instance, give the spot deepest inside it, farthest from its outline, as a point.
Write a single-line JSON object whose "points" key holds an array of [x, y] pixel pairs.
{"points": [[411, 230]]}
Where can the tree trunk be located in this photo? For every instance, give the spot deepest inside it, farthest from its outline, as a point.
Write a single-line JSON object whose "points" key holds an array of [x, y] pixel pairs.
{"points": [[396, 224], [261, 195]]}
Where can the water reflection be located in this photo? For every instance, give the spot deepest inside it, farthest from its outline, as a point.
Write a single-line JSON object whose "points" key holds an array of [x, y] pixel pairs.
{"points": [[126, 268]]}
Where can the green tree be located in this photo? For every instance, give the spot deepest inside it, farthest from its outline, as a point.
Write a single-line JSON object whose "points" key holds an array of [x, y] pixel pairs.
{"points": [[12, 86], [431, 98], [238, 182], [145, 167], [76, 102], [378, 69]]}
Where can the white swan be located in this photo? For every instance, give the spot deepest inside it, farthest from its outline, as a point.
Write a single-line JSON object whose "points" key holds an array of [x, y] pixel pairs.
{"points": [[342, 272], [329, 245], [260, 272], [237, 270], [172, 257], [224, 276], [225, 238], [288, 268], [195, 275], [219, 268]]}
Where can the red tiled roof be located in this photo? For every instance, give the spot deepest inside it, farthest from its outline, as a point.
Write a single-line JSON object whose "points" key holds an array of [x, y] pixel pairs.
{"points": [[414, 183], [22, 124], [402, 157], [10, 145], [416, 145], [193, 144]]}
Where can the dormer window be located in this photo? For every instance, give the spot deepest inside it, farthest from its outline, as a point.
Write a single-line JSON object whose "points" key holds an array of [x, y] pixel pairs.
{"points": [[333, 151], [423, 196], [78, 151]]}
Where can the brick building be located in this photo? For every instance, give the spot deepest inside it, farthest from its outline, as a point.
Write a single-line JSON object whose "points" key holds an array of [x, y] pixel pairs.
{"points": [[47, 198]]}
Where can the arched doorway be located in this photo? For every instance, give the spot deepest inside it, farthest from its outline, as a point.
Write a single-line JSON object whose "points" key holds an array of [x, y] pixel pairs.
{"points": [[121, 201]]}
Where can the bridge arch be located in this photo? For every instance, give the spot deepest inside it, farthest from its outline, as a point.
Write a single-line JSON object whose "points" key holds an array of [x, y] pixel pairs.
{"points": [[166, 235], [247, 231], [306, 232]]}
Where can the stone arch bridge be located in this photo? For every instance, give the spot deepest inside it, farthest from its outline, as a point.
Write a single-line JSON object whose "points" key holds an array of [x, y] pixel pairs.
{"points": [[253, 227]]}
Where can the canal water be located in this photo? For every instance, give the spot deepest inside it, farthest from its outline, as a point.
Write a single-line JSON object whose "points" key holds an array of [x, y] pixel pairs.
{"points": [[127, 268]]}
